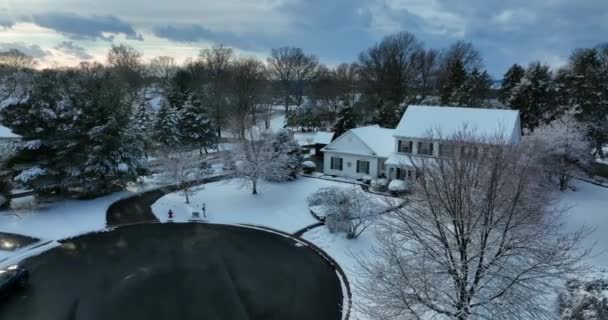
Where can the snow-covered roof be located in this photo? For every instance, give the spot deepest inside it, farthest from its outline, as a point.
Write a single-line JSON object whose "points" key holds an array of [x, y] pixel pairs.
{"points": [[370, 140], [323, 137], [6, 133], [418, 121]]}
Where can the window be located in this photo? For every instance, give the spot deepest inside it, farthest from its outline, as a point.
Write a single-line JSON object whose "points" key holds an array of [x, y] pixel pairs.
{"points": [[425, 148], [404, 146], [403, 174], [362, 166], [336, 163], [446, 150]]}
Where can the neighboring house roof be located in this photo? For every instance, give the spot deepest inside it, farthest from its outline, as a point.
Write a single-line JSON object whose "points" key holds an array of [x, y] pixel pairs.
{"points": [[6, 133], [323, 137], [370, 140], [419, 121]]}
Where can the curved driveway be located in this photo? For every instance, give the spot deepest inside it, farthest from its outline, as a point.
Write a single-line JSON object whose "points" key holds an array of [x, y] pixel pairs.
{"points": [[178, 271]]}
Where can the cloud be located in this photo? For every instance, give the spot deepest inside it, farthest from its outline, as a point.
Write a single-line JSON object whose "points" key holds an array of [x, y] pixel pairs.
{"points": [[81, 27], [32, 50], [69, 48]]}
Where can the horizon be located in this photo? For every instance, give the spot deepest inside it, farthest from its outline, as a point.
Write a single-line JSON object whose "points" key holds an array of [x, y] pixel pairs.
{"points": [[505, 33]]}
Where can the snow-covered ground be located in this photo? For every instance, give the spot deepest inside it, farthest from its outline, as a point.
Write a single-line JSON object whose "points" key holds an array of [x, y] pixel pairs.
{"points": [[280, 206], [588, 206]]}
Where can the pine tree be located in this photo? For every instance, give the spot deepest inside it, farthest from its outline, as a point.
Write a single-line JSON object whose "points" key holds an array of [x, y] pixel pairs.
{"points": [[143, 125], [586, 87], [284, 143], [345, 120], [196, 129], [535, 97], [455, 76], [113, 155], [166, 130], [75, 134], [510, 80], [474, 90]]}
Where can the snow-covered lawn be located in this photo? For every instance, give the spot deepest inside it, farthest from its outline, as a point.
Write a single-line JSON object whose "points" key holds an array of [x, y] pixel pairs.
{"points": [[344, 252], [588, 205], [281, 206]]}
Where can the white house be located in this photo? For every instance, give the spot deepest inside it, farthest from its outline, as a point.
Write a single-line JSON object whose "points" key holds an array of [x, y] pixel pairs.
{"points": [[379, 152], [359, 152]]}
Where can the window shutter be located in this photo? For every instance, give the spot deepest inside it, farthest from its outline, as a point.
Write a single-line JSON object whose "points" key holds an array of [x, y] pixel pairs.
{"points": [[399, 145], [411, 144], [340, 164], [358, 166], [431, 152]]}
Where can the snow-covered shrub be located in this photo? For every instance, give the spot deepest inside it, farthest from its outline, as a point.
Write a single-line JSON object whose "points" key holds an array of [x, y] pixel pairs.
{"points": [[379, 185], [308, 167], [348, 210], [564, 146], [366, 179], [585, 299], [397, 187]]}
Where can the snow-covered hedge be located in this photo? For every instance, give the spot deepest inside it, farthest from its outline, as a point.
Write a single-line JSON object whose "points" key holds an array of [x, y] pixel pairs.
{"points": [[397, 187], [379, 185], [308, 167], [366, 179]]}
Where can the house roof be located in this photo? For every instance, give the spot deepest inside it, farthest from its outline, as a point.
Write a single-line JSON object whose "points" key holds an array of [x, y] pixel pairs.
{"points": [[419, 121], [323, 137], [369, 140]]}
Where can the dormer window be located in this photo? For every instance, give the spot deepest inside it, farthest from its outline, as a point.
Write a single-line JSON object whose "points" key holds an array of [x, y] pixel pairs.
{"points": [[404, 146]]}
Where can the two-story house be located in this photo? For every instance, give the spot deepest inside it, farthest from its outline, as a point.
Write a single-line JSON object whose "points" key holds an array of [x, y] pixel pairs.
{"points": [[377, 152]]}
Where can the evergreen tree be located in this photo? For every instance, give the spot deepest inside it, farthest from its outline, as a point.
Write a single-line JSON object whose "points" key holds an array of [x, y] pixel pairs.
{"points": [[586, 90], [196, 129], [143, 125], [535, 97], [75, 134], [166, 130], [510, 80], [454, 76], [474, 90], [284, 143], [345, 120], [113, 153]]}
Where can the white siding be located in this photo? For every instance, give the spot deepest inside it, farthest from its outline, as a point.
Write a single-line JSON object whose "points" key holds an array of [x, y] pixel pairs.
{"points": [[350, 171]]}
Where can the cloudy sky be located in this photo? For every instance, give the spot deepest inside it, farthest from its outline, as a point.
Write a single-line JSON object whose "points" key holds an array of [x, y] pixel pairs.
{"points": [[63, 32]]}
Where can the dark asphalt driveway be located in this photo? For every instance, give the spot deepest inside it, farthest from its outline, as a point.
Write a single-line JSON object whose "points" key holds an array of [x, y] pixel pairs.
{"points": [[178, 272]]}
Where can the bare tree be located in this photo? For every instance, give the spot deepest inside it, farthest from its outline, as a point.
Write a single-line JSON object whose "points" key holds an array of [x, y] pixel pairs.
{"points": [[292, 69], [127, 62], [248, 78], [564, 146], [387, 72], [262, 157], [163, 68], [184, 167], [16, 60], [426, 66], [481, 240], [216, 63]]}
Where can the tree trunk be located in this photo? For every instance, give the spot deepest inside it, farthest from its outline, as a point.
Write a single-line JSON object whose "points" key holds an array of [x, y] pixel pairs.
{"points": [[255, 186]]}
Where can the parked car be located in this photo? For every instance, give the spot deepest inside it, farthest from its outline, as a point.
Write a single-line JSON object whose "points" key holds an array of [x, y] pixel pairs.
{"points": [[12, 279]]}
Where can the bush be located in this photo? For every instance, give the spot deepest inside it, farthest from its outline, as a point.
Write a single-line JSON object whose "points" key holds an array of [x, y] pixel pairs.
{"points": [[379, 185], [585, 299], [397, 187], [348, 210], [308, 167], [366, 179]]}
